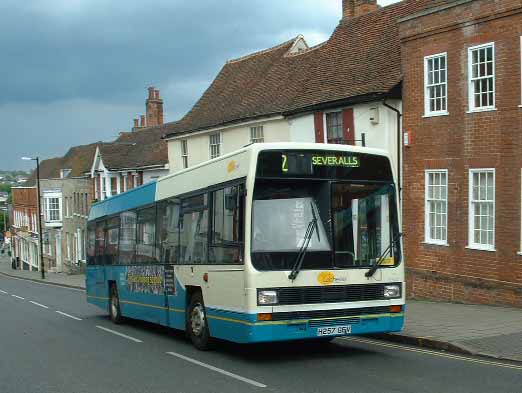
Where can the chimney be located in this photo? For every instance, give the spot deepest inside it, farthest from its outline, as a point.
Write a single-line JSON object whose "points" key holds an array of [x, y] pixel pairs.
{"points": [[136, 123], [355, 8], [154, 108], [142, 121]]}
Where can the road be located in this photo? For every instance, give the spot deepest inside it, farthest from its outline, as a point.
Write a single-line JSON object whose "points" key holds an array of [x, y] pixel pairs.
{"points": [[51, 340]]}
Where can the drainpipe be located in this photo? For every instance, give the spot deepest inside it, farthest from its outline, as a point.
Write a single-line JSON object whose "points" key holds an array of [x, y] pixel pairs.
{"points": [[399, 144]]}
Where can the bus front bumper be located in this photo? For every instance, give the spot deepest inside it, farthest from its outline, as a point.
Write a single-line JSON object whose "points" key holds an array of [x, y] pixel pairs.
{"points": [[251, 331]]}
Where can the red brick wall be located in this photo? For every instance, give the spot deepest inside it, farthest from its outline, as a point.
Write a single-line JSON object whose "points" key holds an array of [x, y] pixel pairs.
{"points": [[461, 141]]}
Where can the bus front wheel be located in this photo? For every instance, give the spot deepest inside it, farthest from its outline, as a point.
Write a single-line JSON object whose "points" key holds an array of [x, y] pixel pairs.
{"points": [[197, 326], [114, 306]]}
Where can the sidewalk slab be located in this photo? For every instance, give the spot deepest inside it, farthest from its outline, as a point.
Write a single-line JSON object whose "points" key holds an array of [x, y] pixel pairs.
{"points": [[76, 281], [461, 328]]}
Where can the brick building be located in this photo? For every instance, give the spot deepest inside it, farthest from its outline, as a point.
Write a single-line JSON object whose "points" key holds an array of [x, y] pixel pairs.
{"points": [[24, 228], [462, 163]]}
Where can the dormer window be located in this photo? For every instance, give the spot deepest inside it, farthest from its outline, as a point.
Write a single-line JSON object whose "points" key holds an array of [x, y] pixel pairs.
{"points": [[64, 173]]}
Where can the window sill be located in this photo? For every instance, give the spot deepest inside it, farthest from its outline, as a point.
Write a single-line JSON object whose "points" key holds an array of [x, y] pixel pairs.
{"points": [[481, 110], [436, 114], [481, 248], [520, 106], [519, 253], [428, 243]]}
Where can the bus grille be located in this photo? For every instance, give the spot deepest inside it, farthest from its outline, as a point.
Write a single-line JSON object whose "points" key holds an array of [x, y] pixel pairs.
{"points": [[318, 314], [330, 294]]}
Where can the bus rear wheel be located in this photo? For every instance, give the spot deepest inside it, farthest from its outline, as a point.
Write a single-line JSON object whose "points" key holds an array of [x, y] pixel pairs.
{"points": [[114, 306], [197, 325]]}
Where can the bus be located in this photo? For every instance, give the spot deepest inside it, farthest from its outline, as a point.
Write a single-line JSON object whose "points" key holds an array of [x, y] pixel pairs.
{"points": [[276, 241]]}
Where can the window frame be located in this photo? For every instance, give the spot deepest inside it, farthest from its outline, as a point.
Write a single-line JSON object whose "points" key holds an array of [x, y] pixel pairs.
{"points": [[184, 153], [240, 244], [338, 112], [47, 197], [427, 86], [255, 131], [471, 88], [427, 211], [471, 215], [217, 145]]}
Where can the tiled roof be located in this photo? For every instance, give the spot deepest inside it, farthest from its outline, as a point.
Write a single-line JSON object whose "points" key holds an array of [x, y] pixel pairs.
{"points": [[361, 59], [138, 149], [78, 159], [49, 169]]}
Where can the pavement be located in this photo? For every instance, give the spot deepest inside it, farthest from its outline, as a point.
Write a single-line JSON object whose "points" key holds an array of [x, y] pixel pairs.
{"points": [[469, 329], [60, 279], [52, 340], [490, 331]]}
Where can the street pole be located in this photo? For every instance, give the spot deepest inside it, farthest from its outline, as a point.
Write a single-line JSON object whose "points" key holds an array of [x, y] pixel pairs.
{"points": [[42, 268]]}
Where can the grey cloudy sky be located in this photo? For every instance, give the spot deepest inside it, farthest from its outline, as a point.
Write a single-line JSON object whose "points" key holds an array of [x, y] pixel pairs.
{"points": [[76, 71]]}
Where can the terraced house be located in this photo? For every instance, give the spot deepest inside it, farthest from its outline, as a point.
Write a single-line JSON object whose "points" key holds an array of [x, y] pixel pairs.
{"points": [[346, 90]]}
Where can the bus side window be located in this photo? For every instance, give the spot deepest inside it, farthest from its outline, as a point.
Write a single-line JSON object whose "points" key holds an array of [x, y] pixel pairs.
{"points": [[111, 241], [167, 231], [100, 243], [145, 235], [91, 244], [194, 230], [227, 226], [127, 244]]}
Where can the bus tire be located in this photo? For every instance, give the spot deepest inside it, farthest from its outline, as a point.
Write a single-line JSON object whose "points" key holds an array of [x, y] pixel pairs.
{"points": [[114, 306], [197, 325]]}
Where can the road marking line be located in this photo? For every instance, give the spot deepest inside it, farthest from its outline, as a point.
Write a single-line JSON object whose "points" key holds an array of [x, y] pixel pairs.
{"points": [[434, 353], [18, 297], [221, 371], [70, 316], [119, 334], [38, 304], [4, 292]]}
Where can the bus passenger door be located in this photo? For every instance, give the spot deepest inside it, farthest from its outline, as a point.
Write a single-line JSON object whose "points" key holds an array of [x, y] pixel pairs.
{"points": [[167, 249]]}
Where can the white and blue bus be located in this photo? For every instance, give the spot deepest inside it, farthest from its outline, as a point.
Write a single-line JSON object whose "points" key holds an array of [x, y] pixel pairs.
{"points": [[279, 241]]}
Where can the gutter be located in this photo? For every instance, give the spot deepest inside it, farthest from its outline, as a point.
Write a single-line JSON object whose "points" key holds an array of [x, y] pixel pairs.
{"points": [[399, 143]]}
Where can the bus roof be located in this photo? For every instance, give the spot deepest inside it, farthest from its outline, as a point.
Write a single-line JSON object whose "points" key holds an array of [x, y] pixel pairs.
{"points": [[141, 196]]}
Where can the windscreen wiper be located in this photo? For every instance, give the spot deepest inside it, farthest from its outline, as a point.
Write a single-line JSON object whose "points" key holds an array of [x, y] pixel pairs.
{"points": [[304, 247], [374, 268]]}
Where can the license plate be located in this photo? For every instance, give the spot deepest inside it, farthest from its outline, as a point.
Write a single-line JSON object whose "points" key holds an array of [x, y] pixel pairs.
{"points": [[334, 330]]}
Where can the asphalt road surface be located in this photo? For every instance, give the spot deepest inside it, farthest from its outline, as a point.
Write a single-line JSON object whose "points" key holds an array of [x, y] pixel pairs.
{"points": [[51, 340]]}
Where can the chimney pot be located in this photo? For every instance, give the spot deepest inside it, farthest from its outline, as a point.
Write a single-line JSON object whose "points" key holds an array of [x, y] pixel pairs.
{"points": [[136, 123], [157, 94], [151, 92], [142, 121]]}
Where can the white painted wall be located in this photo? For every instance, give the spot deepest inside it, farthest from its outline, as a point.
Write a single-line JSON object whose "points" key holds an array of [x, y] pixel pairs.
{"points": [[232, 139], [302, 128], [154, 174]]}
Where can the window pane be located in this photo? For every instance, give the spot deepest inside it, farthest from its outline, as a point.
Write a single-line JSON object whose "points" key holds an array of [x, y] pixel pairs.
{"points": [[112, 239], [194, 230], [145, 236], [91, 244], [127, 237], [100, 243], [168, 230]]}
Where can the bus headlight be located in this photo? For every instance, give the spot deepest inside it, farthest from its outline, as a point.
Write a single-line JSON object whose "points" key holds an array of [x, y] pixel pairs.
{"points": [[265, 298], [392, 291]]}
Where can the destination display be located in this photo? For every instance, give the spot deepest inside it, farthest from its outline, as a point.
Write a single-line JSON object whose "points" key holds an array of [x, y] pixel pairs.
{"points": [[323, 165]]}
